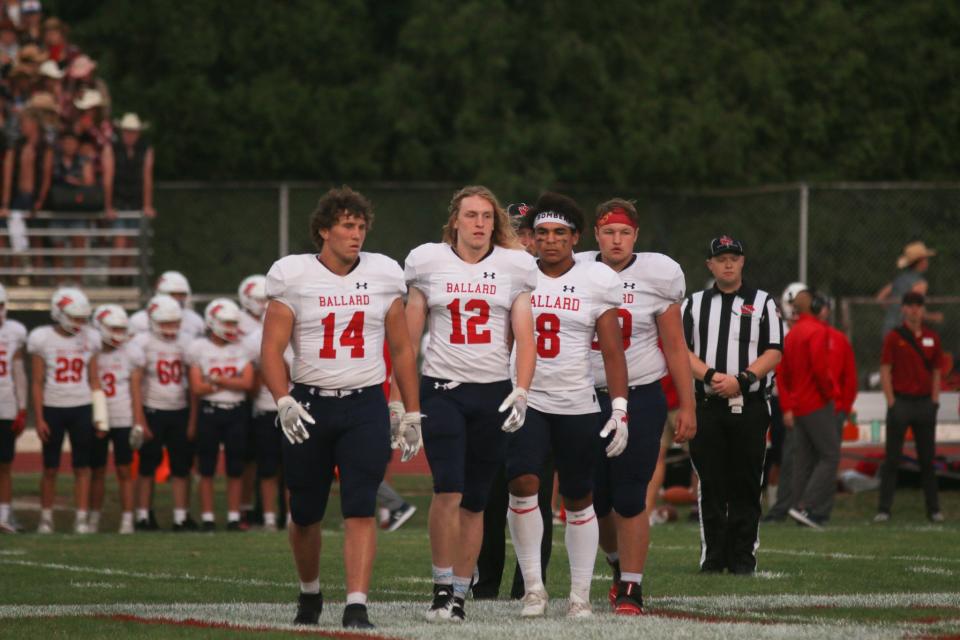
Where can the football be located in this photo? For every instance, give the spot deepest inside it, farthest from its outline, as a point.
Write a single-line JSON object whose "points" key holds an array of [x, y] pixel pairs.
{"points": [[679, 496]]}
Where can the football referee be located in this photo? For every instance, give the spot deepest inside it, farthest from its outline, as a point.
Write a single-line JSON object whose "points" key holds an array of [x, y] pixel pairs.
{"points": [[735, 340]]}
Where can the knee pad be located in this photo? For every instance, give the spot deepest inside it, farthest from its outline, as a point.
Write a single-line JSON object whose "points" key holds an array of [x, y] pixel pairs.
{"points": [[306, 507]]}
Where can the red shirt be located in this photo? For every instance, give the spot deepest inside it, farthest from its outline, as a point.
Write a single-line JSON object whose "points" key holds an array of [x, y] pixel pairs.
{"points": [[843, 368], [910, 374], [803, 376]]}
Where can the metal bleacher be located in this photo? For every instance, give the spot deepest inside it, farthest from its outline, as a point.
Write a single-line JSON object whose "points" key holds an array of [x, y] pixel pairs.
{"points": [[31, 275]]}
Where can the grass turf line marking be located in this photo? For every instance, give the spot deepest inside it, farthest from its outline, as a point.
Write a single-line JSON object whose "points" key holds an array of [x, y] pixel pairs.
{"points": [[816, 554], [249, 582], [98, 585], [208, 624], [934, 570]]}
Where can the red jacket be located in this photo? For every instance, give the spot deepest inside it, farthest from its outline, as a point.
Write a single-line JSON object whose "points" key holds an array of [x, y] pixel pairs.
{"points": [[843, 367], [804, 377]]}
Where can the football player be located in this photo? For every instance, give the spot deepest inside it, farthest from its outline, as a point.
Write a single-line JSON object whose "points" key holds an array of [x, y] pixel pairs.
{"points": [[169, 412], [263, 437], [474, 290], [13, 404], [175, 285], [337, 307], [252, 295], [120, 366], [652, 289], [573, 302], [66, 398], [221, 374]]}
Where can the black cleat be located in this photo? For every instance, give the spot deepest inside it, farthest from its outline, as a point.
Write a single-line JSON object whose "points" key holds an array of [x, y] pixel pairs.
{"points": [[442, 604], [355, 617], [235, 525], [141, 525], [457, 613], [153, 521], [208, 527], [615, 586], [190, 524], [629, 600], [309, 608]]}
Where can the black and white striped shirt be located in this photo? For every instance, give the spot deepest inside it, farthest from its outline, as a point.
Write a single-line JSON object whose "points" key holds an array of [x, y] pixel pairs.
{"points": [[728, 331]]}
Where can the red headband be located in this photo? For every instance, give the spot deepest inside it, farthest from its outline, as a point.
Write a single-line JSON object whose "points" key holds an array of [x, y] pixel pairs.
{"points": [[617, 215]]}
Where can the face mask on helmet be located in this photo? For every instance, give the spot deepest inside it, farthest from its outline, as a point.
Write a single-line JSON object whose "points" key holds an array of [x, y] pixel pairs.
{"points": [[165, 315], [222, 318], [112, 323], [253, 294], [70, 309]]}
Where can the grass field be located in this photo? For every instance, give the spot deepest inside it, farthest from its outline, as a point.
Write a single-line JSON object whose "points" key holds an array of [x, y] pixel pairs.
{"points": [[854, 580]]}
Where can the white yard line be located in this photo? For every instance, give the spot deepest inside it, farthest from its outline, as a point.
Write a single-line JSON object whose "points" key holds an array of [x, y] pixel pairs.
{"points": [[820, 554]]}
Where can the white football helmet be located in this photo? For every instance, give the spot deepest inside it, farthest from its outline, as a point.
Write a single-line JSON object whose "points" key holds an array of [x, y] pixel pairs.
{"points": [[222, 317], [70, 309], [786, 300], [174, 283], [3, 304], [163, 309], [253, 294], [112, 323]]}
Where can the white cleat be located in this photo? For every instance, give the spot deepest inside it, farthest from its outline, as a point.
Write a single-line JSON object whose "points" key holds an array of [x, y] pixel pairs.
{"points": [[6, 527], [81, 528], [126, 528], [578, 609], [45, 527], [534, 603]]}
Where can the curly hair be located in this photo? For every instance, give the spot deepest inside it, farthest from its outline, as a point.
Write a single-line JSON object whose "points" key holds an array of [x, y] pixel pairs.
{"points": [[503, 233], [560, 204], [335, 204]]}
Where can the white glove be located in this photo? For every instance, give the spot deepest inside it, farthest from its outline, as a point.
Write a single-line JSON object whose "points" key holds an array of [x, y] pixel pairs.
{"points": [[396, 414], [290, 416], [136, 437], [517, 403], [409, 438], [100, 420], [617, 425]]}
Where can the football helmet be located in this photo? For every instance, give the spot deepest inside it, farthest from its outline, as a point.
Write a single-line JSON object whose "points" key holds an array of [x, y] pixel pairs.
{"points": [[786, 299], [112, 323], [164, 309], [174, 283], [70, 309], [253, 294], [222, 317]]}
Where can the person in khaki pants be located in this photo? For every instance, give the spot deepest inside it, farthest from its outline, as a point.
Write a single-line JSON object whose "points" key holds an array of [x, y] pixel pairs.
{"points": [[910, 374]]}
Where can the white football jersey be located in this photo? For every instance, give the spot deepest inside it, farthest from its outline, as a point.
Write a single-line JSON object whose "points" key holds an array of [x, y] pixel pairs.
{"points": [[248, 324], [191, 326], [338, 330], [165, 371], [263, 401], [13, 337], [651, 283], [225, 360], [66, 362], [565, 312], [469, 309], [114, 368]]}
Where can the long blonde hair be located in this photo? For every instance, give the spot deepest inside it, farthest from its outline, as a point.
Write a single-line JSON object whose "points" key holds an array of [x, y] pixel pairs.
{"points": [[503, 232]]}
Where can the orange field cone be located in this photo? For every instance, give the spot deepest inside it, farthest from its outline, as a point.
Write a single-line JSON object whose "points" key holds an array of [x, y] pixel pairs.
{"points": [[163, 469]]}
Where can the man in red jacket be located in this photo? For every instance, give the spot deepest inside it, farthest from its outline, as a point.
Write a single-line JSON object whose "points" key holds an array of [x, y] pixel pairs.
{"points": [[807, 395]]}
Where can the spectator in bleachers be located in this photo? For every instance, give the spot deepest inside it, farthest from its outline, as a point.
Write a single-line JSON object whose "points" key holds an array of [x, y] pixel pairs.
{"points": [[81, 76], [57, 44], [72, 174], [9, 44], [51, 81], [131, 183], [31, 15], [45, 106], [27, 172]]}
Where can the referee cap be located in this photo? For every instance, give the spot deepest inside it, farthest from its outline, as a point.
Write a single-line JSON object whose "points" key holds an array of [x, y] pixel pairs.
{"points": [[724, 244]]}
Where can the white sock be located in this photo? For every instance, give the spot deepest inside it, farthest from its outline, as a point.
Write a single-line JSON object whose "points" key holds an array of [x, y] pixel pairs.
{"points": [[626, 576], [143, 514], [460, 586], [354, 597], [526, 531], [179, 516], [233, 516], [310, 587], [46, 515], [4, 511], [94, 519], [207, 516], [127, 517], [269, 518], [442, 575], [582, 538], [81, 516]]}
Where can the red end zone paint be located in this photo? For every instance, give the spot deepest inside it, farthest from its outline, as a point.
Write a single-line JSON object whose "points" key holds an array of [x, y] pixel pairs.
{"points": [[208, 624]]}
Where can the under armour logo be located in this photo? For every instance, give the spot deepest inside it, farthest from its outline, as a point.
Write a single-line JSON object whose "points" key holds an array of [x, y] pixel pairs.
{"points": [[446, 386], [570, 288], [361, 285], [629, 285], [305, 405], [492, 275]]}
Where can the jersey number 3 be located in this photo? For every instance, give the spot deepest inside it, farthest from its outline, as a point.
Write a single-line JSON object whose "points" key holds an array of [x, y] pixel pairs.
{"points": [[351, 337]]}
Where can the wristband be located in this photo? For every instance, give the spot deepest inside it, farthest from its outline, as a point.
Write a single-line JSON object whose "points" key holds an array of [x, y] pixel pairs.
{"points": [[619, 403], [708, 376]]}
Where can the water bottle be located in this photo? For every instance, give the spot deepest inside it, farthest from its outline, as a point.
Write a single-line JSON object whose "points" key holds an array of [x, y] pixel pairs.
{"points": [[874, 431]]}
